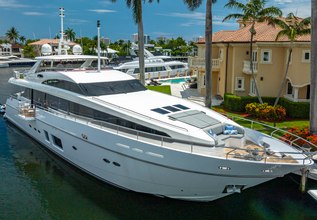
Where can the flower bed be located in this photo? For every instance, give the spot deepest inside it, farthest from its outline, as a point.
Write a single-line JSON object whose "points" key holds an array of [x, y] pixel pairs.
{"points": [[266, 111], [303, 133]]}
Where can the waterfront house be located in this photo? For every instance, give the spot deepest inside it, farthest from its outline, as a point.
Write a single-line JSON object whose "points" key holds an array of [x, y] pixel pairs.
{"points": [[231, 63], [8, 49], [52, 42]]}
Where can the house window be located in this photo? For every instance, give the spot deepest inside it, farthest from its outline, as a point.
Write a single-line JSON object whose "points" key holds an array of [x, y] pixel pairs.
{"points": [[255, 56], [266, 56], [221, 53], [239, 84], [289, 89], [252, 88], [306, 56]]}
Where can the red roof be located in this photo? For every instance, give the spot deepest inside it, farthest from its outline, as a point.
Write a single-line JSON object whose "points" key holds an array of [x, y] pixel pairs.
{"points": [[264, 33], [49, 41]]}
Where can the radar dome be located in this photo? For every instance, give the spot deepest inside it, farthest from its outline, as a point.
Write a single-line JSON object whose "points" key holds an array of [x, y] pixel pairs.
{"points": [[46, 49], [77, 50]]}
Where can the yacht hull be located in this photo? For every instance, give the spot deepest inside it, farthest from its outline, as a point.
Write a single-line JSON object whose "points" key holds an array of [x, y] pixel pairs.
{"points": [[140, 166]]}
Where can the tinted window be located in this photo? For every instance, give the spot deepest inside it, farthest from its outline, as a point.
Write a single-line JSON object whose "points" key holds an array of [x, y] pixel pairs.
{"points": [[57, 142], [108, 88], [62, 84], [181, 106]]}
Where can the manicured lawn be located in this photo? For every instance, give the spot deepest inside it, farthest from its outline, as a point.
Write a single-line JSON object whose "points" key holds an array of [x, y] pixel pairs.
{"points": [[285, 125], [163, 89]]}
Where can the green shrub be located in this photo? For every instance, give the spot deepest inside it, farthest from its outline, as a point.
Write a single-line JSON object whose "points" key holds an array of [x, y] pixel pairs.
{"points": [[238, 103], [296, 109], [266, 111], [293, 109]]}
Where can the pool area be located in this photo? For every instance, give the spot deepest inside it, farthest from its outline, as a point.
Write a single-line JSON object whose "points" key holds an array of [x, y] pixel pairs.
{"points": [[174, 80]]}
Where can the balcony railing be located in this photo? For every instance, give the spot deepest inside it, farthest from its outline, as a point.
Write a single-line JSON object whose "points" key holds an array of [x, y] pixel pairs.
{"points": [[200, 62], [247, 69]]}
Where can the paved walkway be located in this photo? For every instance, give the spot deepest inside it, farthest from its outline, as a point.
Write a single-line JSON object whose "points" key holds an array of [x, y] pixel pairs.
{"points": [[183, 91]]}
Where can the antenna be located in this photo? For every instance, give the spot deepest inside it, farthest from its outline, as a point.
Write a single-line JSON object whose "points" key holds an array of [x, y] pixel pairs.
{"points": [[61, 39], [98, 40]]}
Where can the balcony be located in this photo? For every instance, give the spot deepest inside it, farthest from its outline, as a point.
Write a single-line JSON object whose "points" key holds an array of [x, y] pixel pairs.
{"points": [[195, 62], [247, 69]]}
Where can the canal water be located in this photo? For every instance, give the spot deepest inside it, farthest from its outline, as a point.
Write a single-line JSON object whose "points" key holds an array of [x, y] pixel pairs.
{"points": [[35, 184]]}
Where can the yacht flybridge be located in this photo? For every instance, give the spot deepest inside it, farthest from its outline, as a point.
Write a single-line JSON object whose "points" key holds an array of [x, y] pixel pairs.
{"points": [[109, 125]]}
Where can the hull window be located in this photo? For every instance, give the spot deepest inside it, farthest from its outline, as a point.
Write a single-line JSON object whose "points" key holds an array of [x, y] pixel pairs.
{"points": [[57, 142], [47, 138]]}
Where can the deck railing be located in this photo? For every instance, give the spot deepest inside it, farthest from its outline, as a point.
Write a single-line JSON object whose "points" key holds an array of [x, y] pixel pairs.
{"points": [[247, 69], [275, 133], [200, 62]]}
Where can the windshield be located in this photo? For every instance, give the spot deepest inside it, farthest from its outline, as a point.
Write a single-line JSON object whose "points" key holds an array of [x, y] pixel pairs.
{"points": [[109, 88]]}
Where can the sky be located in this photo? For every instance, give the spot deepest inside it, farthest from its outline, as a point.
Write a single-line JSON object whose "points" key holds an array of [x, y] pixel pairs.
{"points": [[36, 19]]}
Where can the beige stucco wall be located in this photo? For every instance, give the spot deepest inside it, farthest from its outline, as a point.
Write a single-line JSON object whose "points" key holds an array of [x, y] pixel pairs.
{"points": [[299, 70], [269, 75]]}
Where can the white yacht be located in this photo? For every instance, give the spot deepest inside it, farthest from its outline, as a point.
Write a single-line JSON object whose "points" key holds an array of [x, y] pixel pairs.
{"points": [[155, 66], [109, 125], [14, 61]]}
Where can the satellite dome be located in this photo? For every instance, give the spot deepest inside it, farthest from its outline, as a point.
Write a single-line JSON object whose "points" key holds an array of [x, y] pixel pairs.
{"points": [[46, 49], [77, 50]]}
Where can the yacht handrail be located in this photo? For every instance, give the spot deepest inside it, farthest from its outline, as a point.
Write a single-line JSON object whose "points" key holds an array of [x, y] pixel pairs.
{"points": [[191, 146], [139, 114], [274, 132]]}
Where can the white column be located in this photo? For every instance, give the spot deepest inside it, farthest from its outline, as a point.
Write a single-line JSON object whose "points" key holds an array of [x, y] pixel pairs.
{"points": [[295, 94]]}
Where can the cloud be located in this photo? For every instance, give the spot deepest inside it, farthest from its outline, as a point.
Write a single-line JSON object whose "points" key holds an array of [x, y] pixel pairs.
{"points": [[301, 8], [33, 13], [102, 10], [11, 4], [283, 1], [193, 15], [77, 21]]}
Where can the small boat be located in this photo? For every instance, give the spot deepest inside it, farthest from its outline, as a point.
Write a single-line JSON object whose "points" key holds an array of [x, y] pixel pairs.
{"points": [[14, 61]]}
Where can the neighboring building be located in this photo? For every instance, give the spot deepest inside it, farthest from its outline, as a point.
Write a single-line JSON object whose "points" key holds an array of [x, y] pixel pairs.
{"points": [[231, 63], [135, 38], [52, 42], [7, 49]]}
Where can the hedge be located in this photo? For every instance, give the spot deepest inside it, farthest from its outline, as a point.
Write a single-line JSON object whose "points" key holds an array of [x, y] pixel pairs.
{"points": [[293, 109], [238, 103]]}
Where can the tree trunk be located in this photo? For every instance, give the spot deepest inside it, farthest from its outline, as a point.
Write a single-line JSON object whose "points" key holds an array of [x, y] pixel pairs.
{"points": [[284, 78], [313, 71], [251, 64], [141, 47], [208, 54]]}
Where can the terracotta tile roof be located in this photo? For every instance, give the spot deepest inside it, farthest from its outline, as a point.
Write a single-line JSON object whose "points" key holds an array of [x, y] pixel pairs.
{"points": [[49, 41], [264, 33]]}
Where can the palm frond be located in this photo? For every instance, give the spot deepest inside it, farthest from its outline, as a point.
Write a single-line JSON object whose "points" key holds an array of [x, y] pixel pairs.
{"points": [[192, 4], [233, 16]]}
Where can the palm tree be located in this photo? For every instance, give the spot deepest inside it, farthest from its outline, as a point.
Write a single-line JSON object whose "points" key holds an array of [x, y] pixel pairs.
{"points": [[313, 77], [292, 27], [22, 39], [136, 6], [70, 33], [253, 11], [12, 34], [193, 4]]}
